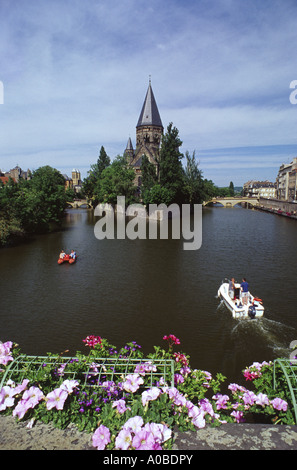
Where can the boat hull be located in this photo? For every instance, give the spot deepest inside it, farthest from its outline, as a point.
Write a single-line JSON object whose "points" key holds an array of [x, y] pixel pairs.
{"points": [[254, 308], [66, 259]]}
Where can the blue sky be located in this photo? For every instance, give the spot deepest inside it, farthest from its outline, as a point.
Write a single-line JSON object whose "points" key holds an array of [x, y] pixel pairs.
{"points": [[75, 74]]}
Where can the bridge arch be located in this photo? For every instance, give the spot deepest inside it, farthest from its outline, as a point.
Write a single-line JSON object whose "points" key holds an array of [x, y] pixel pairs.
{"points": [[232, 201], [79, 203]]}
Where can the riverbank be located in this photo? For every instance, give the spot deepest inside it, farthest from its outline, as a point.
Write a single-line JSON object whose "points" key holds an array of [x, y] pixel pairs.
{"points": [[275, 206], [16, 436]]}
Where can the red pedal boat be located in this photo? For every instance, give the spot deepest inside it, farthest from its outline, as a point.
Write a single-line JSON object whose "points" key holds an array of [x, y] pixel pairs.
{"points": [[67, 259]]}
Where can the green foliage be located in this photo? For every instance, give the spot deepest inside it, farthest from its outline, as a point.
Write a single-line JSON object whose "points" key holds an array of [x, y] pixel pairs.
{"points": [[30, 206], [116, 180], [193, 402], [171, 175], [193, 181], [95, 173]]}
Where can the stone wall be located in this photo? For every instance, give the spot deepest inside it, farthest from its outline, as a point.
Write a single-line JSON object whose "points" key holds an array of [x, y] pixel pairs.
{"points": [[279, 207]]}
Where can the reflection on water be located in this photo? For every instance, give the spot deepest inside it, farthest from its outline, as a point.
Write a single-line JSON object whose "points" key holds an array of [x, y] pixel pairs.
{"points": [[140, 290]]}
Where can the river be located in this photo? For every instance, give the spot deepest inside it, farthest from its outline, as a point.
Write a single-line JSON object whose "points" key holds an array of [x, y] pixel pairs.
{"points": [[140, 290]]}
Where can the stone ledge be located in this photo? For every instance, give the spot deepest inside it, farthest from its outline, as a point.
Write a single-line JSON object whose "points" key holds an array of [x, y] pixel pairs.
{"points": [[16, 436]]}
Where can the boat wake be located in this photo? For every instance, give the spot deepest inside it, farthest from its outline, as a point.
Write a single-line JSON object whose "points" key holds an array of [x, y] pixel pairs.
{"points": [[274, 334]]}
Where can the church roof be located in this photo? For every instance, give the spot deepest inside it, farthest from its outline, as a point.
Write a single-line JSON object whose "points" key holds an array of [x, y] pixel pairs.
{"points": [[129, 144], [149, 114]]}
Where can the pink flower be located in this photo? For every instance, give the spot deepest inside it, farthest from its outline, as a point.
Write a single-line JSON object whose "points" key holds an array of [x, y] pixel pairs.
{"points": [[279, 404], [249, 398], [29, 400], [197, 416], [141, 369], [143, 440], [262, 399], [5, 353], [178, 379], [206, 406], [92, 340], [221, 400], [132, 383], [160, 431], [101, 437], [21, 409], [149, 395], [123, 440], [180, 357], [134, 424], [6, 397], [235, 388], [172, 339], [120, 405], [238, 416], [56, 399], [69, 385], [32, 396], [20, 388], [177, 398]]}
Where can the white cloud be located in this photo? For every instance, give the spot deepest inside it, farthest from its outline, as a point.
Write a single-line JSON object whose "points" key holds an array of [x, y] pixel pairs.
{"points": [[75, 76]]}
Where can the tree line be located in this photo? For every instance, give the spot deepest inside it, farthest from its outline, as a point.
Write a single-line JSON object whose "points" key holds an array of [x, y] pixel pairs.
{"points": [[38, 205], [178, 178], [31, 206]]}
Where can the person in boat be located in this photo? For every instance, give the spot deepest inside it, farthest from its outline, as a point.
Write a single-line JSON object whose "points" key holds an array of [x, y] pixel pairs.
{"points": [[62, 254], [72, 254], [244, 291], [232, 288]]}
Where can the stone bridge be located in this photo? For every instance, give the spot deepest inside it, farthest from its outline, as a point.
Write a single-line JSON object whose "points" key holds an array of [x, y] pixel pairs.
{"points": [[232, 201], [79, 203]]}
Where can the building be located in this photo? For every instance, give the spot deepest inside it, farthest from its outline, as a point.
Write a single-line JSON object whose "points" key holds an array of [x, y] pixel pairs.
{"points": [[74, 182], [265, 189], [286, 181], [149, 131], [17, 173]]}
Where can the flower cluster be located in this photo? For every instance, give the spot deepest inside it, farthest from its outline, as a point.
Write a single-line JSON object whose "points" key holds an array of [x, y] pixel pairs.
{"points": [[134, 434], [172, 339], [92, 340], [32, 396], [134, 408], [247, 400], [254, 371]]}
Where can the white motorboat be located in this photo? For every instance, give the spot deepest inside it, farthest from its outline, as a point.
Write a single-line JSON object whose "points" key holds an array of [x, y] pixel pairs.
{"points": [[253, 308]]}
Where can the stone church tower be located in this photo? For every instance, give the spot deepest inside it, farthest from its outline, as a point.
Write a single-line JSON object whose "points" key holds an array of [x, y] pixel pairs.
{"points": [[149, 131]]}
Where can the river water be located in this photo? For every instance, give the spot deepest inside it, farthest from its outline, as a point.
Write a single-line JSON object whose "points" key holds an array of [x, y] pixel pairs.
{"points": [[140, 290]]}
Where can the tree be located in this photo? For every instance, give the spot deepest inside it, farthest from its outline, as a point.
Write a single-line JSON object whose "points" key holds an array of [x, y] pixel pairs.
{"points": [[194, 190], [44, 199], [35, 205], [95, 173], [116, 180], [231, 189], [148, 174], [149, 179], [171, 174]]}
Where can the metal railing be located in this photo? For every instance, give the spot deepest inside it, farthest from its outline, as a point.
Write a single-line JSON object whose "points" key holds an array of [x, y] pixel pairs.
{"points": [[89, 372]]}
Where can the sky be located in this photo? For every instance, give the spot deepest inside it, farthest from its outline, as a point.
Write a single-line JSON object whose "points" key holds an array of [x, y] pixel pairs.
{"points": [[74, 75]]}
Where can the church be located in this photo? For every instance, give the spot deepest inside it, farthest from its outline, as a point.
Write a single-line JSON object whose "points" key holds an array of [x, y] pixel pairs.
{"points": [[149, 131]]}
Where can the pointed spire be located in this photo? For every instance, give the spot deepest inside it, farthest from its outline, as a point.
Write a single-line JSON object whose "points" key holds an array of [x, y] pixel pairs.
{"points": [[149, 115], [129, 144]]}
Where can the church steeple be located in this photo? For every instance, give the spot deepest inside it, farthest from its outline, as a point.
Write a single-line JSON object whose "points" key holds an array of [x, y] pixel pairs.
{"points": [[149, 131], [129, 152], [149, 115]]}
